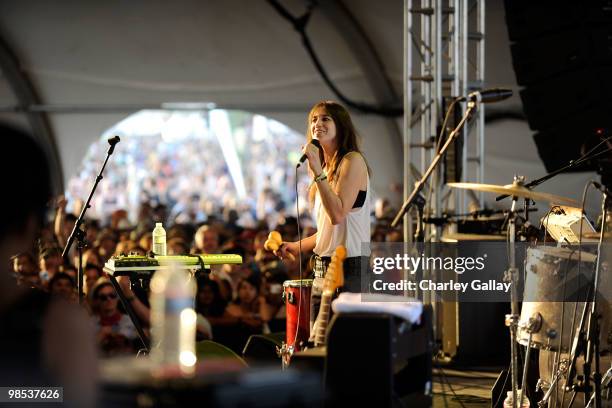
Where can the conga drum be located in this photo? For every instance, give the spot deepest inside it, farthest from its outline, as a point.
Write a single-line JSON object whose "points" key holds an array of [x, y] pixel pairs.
{"points": [[296, 294]]}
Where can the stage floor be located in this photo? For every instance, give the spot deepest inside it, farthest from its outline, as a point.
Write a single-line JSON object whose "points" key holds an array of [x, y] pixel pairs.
{"points": [[452, 388]]}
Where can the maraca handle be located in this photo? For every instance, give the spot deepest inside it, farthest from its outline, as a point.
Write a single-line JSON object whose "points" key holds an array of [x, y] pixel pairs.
{"points": [[291, 256]]}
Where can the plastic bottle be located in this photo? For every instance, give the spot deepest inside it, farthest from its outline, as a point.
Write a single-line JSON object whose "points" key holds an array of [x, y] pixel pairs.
{"points": [[508, 400], [173, 319], [159, 239]]}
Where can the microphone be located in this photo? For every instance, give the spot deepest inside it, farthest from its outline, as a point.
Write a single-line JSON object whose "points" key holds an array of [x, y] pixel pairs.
{"points": [[490, 95], [112, 142], [303, 158]]}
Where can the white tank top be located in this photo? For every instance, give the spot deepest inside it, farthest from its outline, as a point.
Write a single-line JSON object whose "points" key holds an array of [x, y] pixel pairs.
{"points": [[352, 232]]}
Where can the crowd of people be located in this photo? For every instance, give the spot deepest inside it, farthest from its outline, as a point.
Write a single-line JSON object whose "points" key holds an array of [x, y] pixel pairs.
{"points": [[191, 174], [232, 302]]}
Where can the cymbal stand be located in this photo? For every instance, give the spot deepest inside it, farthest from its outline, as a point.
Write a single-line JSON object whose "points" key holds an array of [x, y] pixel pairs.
{"points": [[525, 368], [511, 276], [532, 326]]}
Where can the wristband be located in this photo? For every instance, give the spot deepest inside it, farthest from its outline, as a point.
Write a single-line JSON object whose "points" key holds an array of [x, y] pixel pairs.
{"points": [[321, 177]]}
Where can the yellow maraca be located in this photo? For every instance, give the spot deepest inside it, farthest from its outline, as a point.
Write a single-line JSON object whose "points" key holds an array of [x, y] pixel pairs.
{"points": [[275, 242]]}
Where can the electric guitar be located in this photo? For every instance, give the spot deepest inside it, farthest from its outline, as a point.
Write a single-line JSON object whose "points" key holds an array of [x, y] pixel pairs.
{"points": [[334, 278]]}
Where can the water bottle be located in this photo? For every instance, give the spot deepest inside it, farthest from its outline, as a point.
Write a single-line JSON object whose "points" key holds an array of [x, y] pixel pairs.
{"points": [[159, 239], [173, 319], [508, 400]]}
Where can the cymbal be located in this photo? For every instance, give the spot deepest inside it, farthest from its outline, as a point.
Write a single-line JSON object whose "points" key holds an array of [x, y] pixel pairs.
{"points": [[589, 234], [514, 190], [458, 236]]}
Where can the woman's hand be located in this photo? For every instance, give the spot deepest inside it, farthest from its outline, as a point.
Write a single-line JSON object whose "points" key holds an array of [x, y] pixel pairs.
{"points": [[314, 160], [288, 250], [126, 286]]}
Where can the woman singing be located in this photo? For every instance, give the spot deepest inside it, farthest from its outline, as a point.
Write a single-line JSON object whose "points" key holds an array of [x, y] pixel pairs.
{"points": [[340, 194]]}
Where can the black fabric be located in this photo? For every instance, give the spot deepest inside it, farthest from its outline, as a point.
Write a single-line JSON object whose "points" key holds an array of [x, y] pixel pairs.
{"points": [[360, 200], [21, 337], [352, 268]]}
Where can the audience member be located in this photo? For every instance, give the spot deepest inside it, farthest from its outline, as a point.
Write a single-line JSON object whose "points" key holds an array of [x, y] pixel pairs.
{"points": [[116, 333], [62, 286], [206, 240], [249, 307], [210, 303], [26, 270], [43, 341], [50, 262], [91, 274]]}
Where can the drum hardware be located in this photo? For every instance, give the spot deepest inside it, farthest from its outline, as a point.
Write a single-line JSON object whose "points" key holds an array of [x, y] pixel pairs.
{"points": [[589, 339], [534, 324], [525, 368], [513, 318], [517, 190], [542, 384], [605, 383], [551, 271], [552, 386], [285, 352]]}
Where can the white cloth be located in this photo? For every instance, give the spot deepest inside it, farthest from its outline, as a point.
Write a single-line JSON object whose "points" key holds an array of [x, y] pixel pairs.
{"points": [[352, 232], [403, 307]]}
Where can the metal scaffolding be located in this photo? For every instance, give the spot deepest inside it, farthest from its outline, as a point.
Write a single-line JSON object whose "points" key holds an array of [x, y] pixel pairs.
{"points": [[443, 59]]}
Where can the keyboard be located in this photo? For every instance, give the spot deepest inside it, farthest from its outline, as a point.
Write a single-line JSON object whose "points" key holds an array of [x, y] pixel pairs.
{"points": [[140, 263]]}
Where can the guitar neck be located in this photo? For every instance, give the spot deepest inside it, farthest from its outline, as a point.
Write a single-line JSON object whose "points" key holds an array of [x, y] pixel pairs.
{"points": [[323, 318]]}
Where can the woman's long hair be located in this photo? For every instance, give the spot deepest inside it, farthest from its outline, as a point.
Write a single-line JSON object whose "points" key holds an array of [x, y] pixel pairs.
{"points": [[345, 134]]}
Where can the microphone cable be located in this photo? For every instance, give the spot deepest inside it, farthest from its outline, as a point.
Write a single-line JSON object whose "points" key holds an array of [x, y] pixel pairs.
{"points": [[299, 238]]}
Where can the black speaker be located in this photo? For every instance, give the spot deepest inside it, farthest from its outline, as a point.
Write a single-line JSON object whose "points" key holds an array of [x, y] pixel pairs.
{"points": [[393, 368], [562, 56]]}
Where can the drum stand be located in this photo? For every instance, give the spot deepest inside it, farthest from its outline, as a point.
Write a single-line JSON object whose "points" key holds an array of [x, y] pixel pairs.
{"points": [[285, 352], [591, 338], [553, 384], [513, 318]]}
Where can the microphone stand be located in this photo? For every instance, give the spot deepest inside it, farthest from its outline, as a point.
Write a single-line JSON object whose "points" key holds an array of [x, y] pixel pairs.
{"points": [[573, 163], [77, 233], [412, 199], [591, 348]]}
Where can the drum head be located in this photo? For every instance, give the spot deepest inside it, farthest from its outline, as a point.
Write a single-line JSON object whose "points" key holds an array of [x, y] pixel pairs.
{"points": [[297, 283], [571, 253]]}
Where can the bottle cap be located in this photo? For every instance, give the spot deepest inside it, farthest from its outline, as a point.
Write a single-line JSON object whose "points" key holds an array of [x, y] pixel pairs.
{"points": [[158, 224]]}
